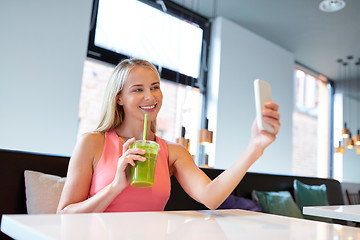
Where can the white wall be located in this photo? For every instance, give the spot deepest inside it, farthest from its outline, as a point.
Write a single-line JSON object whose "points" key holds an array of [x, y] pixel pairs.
{"points": [[237, 57], [43, 46]]}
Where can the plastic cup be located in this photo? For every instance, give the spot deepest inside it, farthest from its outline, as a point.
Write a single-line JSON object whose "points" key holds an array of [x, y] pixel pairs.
{"points": [[142, 174]]}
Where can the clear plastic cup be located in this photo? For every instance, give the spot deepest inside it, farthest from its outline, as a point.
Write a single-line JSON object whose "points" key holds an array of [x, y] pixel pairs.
{"points": [[142, 174]]}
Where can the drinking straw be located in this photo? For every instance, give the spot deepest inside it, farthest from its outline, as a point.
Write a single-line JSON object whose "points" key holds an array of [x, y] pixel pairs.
{"points": [[145, 124]]}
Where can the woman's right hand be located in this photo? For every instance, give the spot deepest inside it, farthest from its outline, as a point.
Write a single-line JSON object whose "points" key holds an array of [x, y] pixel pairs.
{"points": [[122, 176]]}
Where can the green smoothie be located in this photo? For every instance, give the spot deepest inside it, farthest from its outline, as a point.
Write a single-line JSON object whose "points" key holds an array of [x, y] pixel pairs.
{"points": [[142, 174]]}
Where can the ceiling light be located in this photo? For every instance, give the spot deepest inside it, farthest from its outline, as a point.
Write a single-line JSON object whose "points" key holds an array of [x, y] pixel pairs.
{"points": [[345, 131], [205, 136], [349, 143], [357, 138], [331, 5], [183, 141], [339, 149]]}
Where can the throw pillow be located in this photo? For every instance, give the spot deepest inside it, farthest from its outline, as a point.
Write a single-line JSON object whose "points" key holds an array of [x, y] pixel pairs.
{"points": [[279, 203], [311, 195], [235, 202], [42, 191]]}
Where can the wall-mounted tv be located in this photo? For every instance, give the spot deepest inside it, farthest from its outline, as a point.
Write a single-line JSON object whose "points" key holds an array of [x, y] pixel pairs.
{"points": [[167, 37]]}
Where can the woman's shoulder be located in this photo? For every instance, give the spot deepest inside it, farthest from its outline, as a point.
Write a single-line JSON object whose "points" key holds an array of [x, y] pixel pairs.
{"points": [[91, 139], [173, 145], [176, 149], [92, 136], [89, 147], [179, 156]]}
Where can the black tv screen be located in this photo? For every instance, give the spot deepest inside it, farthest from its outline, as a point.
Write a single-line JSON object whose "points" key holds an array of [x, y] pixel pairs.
{"points": [[134, 28]]}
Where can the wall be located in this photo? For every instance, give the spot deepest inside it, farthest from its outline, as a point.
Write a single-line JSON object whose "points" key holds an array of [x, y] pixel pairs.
{"points": [[237, 58], [43, 46]]}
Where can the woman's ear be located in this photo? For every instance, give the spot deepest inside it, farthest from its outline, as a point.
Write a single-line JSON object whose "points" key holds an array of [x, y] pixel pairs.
{"points": [[119, 101]]}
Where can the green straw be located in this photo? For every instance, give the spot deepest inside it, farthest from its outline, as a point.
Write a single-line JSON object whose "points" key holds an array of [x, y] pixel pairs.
{"points": [[145, 124]]}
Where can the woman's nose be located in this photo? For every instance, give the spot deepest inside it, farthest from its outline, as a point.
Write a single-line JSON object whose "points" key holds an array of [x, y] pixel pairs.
{"points": [[148, 95]]}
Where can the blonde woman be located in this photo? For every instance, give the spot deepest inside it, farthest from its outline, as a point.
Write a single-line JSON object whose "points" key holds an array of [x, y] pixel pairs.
{"points": [[98, 178]]}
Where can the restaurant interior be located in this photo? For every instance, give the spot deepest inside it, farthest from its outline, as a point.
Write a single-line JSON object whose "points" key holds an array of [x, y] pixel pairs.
{"points": [[56, 59]]}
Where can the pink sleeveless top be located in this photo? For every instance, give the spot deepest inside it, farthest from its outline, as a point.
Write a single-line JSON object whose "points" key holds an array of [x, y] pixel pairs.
{"points": [[132, 199]]}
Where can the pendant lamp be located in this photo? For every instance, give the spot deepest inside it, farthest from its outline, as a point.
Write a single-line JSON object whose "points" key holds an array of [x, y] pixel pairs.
{"points": [[345, 131], [349, 143], [205, 136], [182, 140], [357, 138], [339, 149]]}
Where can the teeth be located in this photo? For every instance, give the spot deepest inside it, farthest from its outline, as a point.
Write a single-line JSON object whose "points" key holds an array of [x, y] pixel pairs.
{"points": [[149, 107]]}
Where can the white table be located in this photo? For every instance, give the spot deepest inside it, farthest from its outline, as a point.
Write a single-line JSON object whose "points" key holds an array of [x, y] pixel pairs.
{"points": [[343, 212], [219, 224]]}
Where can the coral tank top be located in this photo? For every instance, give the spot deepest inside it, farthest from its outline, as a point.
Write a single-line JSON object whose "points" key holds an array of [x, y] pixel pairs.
{"points": [[132, 199]]}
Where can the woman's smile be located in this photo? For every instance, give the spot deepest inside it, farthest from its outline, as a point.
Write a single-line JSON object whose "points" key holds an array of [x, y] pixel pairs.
{"points": [[148, 107]]}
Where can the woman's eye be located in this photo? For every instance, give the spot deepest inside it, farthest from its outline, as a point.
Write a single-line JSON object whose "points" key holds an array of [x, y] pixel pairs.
{"points": [[138, 90], [156, 87]]}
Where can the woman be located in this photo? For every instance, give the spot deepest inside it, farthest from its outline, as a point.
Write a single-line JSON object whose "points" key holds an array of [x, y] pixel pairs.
{"points": [[98, 176]]}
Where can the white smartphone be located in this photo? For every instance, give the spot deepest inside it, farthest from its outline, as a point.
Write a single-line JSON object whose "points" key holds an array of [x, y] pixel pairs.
{"points": [[262, 94]]}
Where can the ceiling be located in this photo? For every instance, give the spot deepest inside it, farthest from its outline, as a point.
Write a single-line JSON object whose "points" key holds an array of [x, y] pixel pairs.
{"points": [[317, 39]]}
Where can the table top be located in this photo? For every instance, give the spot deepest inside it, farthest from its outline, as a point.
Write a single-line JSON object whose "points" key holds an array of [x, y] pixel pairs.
{"points": [[218, 224], [343, 212]]}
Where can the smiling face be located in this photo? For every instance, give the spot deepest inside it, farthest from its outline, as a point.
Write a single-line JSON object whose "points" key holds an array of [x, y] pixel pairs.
{"points": [[141, 94]]}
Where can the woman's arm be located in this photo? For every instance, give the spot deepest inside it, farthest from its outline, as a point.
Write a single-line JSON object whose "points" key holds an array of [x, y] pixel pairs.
{"points": [[213, 193], [198, 185], [75, 195]]}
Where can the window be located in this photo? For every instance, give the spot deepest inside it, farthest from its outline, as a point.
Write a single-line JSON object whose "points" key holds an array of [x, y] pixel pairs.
{"points": [[306, 92], [310, 125]]}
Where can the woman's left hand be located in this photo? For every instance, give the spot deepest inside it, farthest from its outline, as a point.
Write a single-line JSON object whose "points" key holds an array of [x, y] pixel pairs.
{"points": [[261, 138]]}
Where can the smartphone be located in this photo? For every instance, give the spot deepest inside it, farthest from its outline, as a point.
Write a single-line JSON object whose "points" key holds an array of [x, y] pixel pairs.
{"points": [[262, 95]]}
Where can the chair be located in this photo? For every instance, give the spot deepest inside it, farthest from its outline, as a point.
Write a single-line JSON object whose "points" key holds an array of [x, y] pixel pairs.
{"points": [[353, 198]]}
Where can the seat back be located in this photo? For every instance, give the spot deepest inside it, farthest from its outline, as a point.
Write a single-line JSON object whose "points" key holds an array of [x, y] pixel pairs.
{"points": [[353, 198], [12, 167]]}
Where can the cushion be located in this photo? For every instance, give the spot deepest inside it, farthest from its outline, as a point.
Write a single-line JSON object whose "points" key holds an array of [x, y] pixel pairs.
{"points": [[235, 202], [279, 203], [311, 195], [42, 191]]}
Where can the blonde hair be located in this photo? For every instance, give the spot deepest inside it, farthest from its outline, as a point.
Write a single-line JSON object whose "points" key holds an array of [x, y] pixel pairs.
{"points": [[112, 114]]}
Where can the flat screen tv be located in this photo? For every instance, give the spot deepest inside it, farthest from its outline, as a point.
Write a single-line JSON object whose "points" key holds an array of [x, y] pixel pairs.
{"points": [[151, 31]]}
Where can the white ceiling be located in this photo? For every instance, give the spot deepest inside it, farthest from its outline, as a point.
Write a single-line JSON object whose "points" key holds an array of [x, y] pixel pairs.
{"points": [[316, 38]]}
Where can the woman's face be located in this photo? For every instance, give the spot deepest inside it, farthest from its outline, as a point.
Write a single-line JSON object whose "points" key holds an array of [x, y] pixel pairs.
{"points": [[141, 94]]}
